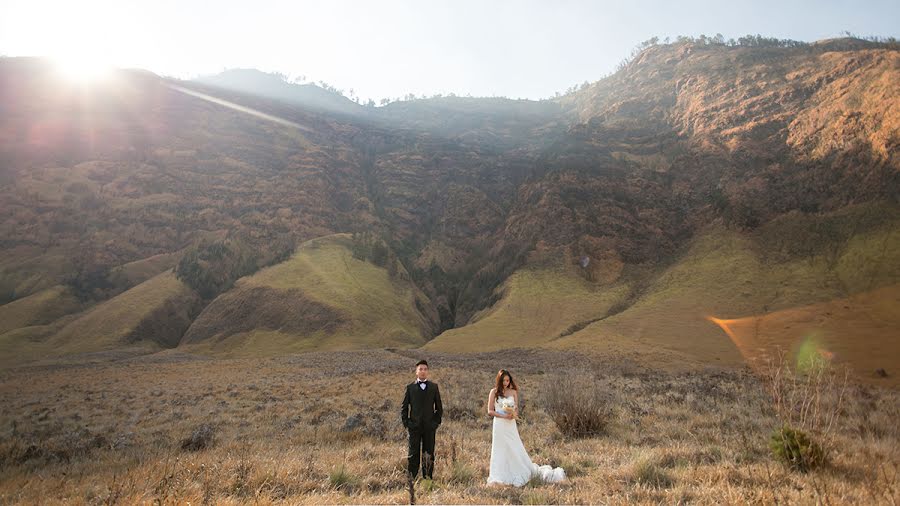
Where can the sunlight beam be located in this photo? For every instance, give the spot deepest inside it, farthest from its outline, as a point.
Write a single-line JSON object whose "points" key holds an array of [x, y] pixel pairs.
{"points": [[238, 107]]}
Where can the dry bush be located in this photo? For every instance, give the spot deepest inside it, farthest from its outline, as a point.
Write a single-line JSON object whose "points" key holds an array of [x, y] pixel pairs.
{"points": [[201, 438], [807, 402], [576, 405], [810, 399]]}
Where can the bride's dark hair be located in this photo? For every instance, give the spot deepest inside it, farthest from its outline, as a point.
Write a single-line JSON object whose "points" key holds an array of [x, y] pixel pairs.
{"points": [[498, 384]]}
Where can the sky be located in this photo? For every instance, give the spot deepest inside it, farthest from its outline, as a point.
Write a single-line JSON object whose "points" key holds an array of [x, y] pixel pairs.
{"points": [[387, 49]]}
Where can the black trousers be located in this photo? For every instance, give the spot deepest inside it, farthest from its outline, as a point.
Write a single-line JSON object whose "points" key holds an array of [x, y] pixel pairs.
{"points": [[421, 449]]}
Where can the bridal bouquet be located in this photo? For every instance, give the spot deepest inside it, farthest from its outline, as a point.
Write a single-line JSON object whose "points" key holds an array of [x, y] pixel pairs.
{"points": [[505, 404]]}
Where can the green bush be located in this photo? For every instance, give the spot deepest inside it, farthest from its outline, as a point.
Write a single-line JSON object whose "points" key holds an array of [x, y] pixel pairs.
{"points": [[212, 268], [340, 479], [367, 246], [796, 449]]}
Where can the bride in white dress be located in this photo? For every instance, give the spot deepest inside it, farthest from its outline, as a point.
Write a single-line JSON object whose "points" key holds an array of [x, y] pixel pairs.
{"points": [[510, 463]]}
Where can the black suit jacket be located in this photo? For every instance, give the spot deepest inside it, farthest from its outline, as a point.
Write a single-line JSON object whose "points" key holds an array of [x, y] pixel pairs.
{"points": [[421, 409]]}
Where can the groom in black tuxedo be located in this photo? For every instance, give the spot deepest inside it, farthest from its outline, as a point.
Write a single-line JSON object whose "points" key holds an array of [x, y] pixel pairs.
{"points": [[421, 415]]}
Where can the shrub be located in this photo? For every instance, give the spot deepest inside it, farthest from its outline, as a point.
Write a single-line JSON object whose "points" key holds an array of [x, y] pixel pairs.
{"points": [[808, 396], [807, 403], [577, 406], [647, 472], [461, 473], [796, 449], [90, 283], [340, 479], [241, 484], [367, 246], [212, 268], [202, 437], [429, 485]]}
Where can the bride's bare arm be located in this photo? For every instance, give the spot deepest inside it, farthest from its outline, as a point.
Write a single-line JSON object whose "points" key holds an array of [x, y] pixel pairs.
{"points": [[491, 410]]}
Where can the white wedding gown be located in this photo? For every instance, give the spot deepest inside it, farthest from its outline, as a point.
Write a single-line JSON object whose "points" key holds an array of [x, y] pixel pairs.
{"points": [[510, 463]]}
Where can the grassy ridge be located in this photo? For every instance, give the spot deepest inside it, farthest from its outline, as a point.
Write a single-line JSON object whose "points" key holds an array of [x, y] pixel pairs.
{"points": [[344, 303], [147, 317], [834, 276], [837, 294], [28, 270], [539, 305], [113, 322], [38, 308], [133, 273]]}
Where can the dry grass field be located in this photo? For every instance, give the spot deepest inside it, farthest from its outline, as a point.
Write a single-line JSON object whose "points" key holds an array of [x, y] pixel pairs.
{"points": [[323, 428]]}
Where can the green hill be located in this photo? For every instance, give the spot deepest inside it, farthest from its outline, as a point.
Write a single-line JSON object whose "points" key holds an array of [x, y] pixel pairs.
{"points": [[322, 297], [38, 309], [149, 317], [804, 274], [729, 300], [153, 314], [539, 304]]}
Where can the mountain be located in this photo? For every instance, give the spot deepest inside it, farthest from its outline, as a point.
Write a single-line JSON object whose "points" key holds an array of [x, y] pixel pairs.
{"points": [[701, 184], [277, 87]]}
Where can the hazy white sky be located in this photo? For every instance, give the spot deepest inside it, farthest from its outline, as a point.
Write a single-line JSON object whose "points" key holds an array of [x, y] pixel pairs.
{"points": [[527, 49]]}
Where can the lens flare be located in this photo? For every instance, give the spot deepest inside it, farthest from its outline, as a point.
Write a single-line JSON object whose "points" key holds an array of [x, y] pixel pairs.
{"points": [[757, 348], [811, 354], [732, 329]]}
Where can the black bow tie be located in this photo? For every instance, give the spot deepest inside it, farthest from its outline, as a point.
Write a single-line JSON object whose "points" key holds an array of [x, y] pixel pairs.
{"points": [[420, 382]]}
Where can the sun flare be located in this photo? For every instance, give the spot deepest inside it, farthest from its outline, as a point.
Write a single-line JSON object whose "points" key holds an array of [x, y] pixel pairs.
{"points": [[82, 68]]}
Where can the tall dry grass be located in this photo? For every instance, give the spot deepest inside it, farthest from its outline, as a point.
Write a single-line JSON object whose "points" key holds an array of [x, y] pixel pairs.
{"points": [[808, 399], [323, 428]]}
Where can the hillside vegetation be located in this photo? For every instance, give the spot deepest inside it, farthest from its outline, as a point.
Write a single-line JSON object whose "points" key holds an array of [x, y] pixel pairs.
{"points": [[704, 181], [147, 318], [322, 297], [730, 297]]}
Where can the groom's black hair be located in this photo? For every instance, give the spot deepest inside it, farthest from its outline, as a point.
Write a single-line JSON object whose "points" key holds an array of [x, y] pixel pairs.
{"points": [[422, 362]]}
